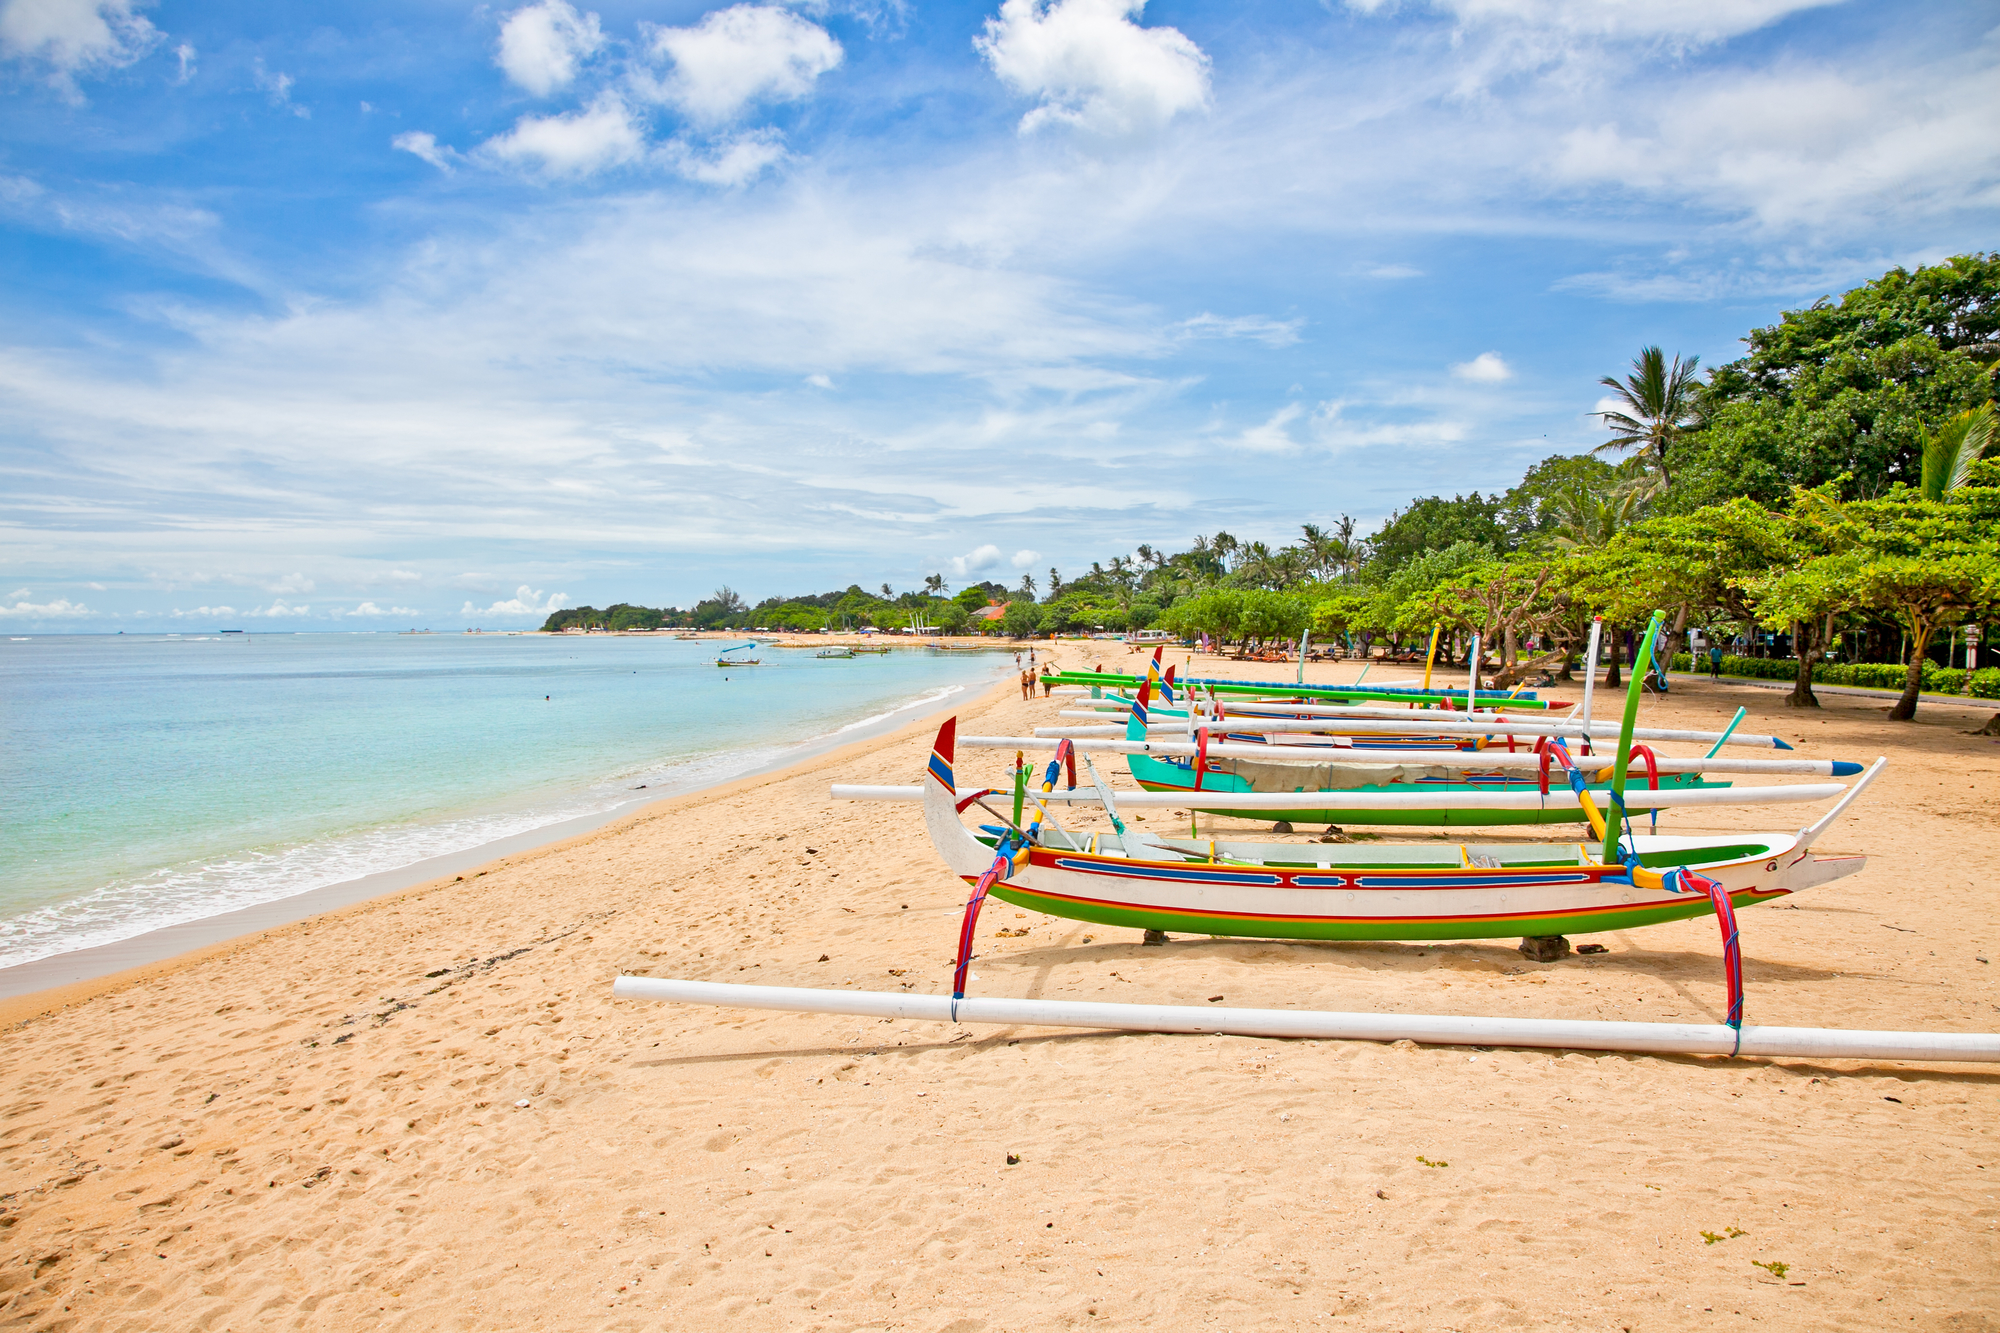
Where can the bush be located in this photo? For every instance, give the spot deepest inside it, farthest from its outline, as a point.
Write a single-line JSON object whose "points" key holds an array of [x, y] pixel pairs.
{"points": [[1872, 675]]}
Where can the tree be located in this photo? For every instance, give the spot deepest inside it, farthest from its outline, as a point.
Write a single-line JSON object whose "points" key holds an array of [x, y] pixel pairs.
{"points": [[1028, 586], [1692, 565], [1535, 506], [1434, 523], [934, 584], [950, 617], [1929, 564], [1660, 405], [1843, 391], [1021, 620]]}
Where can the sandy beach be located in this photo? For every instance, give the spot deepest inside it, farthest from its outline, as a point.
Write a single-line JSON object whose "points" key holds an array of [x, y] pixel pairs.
{"points": [[427, 1111]]}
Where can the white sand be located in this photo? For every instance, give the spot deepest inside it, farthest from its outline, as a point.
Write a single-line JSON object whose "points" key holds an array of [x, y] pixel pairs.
{"points": [[316, 1127]]}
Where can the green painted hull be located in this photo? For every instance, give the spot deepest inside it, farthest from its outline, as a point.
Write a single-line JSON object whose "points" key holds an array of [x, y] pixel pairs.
{"points": [[1402, 928]]}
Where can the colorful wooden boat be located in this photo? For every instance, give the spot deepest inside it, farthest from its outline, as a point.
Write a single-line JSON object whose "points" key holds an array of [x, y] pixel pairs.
{"points": [[1313, 891]]}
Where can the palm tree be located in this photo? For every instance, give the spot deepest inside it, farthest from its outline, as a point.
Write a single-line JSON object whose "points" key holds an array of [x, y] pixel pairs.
{"points": [[1662, 403], [1950, 454]]}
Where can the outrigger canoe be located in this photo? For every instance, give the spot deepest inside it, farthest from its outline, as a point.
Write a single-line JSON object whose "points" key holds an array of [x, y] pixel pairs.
{"points": [[1272, 890]]}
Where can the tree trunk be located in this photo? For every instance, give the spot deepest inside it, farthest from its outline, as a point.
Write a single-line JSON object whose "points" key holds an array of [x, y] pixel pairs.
{"points": [[1806, 644], [1613, 644], [1913, 684], [1670, 642]]}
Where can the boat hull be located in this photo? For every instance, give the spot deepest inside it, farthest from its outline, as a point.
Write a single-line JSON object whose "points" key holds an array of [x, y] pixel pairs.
{"points": [[1310, 891], [1211, 798]]}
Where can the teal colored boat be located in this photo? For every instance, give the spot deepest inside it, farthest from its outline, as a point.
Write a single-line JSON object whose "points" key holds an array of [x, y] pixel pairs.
{"points": [[1348, 770]]}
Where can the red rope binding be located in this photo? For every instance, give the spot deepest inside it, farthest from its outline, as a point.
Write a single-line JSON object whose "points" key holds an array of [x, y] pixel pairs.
{"points": [[994, 873], [1652, 765], [1688, 881]]}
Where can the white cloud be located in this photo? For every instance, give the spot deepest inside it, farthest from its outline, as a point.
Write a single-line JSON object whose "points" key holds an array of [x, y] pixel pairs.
{"points": [[20, 594], [974, 561], [1091, 66], [1486, 368], [1686, 22], [278, 87], [23, 609], [1805, 147], [185, 54], [206, 613], [736, 161], [577, 144], [1270, 332], [1392, 272], [820, 381], [1024, 559], [1274, 435], [740, 55], [424, 145], [526, 601], [403, 576], [370, 609], [74, 36], [542, 45], [292, 583]]}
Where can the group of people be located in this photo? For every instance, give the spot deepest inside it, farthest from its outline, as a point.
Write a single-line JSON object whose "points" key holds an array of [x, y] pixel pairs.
{"points": [[1028, 676]]}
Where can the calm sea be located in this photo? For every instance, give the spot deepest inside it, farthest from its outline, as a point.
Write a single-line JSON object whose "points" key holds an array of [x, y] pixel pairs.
{"points": [[148, 780]]}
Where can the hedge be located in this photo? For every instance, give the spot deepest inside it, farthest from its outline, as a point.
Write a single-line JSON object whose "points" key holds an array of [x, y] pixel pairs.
{"points": [[1878, 675]]}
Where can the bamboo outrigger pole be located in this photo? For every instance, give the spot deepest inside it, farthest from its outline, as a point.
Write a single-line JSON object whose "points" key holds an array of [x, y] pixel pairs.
{"points": [[1431, 1029], [1614, 822]]}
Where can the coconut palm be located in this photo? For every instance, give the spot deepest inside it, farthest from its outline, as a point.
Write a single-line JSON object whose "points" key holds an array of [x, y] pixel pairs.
{"points": [[1661, 403], [1950, 454]]}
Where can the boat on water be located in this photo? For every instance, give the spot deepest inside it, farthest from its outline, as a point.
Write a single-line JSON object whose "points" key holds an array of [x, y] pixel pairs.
{"points": [[1275, 890], [834, 652]]}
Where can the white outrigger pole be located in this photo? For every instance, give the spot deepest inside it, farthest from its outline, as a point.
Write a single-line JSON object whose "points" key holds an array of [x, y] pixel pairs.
{"points": [[1431, 1029], [1559, 797], [1478, 760], [1408, 723]]}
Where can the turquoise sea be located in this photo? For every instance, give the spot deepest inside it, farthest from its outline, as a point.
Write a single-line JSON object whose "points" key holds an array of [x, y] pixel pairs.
{"points": [[148, 780]]}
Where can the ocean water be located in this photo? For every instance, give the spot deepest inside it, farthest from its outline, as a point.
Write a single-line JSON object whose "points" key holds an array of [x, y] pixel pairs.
{"points": [[148, 780]]}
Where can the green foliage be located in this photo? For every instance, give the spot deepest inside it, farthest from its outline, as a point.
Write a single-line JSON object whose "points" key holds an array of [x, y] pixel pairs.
{"points": [[1551, 492], [1843, 392], [1021, 620], [949, 617], [1434, 524]]}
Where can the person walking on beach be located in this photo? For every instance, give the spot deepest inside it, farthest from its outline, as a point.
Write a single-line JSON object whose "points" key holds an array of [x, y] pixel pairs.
{"points": [[1027, 684], [1048, 678], [1715, 661]]}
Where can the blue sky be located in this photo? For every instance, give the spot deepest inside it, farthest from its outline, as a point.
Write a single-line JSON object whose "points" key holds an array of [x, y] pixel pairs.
{"points": [[435, 314]]}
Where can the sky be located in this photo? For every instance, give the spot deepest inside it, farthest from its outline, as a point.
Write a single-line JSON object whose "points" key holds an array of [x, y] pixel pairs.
{"points": [[441, 315]]}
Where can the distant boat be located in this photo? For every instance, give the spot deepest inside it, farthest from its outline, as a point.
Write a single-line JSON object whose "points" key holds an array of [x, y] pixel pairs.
{"points": [[835, 652], [738, 661], [229, 631], [856, 652]]}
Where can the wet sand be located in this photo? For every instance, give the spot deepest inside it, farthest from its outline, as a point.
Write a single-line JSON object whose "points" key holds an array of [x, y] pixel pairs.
{"points": [[319, 1127]]}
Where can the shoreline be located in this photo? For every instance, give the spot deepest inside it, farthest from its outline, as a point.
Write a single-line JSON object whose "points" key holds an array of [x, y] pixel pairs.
{"points": [[46, 984]]}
